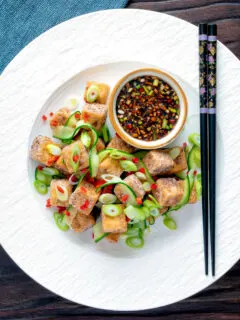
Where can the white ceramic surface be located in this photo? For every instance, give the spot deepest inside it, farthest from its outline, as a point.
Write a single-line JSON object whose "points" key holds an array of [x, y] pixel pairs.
{"points": [[170, 267]]}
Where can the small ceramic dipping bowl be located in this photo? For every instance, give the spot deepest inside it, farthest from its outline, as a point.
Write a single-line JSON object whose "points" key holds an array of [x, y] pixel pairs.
{"points": [[139, 94]]}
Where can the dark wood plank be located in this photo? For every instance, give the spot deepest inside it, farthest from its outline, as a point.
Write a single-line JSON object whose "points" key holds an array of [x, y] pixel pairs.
{"points": [[226, 13], [22, 298]]}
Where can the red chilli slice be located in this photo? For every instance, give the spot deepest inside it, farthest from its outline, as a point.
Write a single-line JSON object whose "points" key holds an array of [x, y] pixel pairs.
{"points": [[44, 118], [142, 170], [51, 114], [53, 123], [75, 158], [83, 189], [60, 189], [40, 168], [135, 160], [125, 198], [61, 209], [154, 186], [67, 213], [139, 201], [77, 116], [85, 205], [48, 203]]}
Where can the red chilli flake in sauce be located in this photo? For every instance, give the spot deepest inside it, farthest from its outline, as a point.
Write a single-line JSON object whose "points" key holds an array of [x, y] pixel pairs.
{"points": [[147, 108]]}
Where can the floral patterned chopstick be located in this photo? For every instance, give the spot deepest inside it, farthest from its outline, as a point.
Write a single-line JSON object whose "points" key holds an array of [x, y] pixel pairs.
{"points": [[212, 51], [203, 54]]}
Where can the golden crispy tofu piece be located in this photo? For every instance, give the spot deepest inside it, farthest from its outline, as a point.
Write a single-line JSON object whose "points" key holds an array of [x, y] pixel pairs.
{"points": [[133, 182], [109, 166], [113, 237], [193, 195], [118, 143], [39, 151], [103, 89], [60, 165], [67, 154], [100, 145], [180, 163], [79, 222], [62, 183], [114, 224], [84, 197], [158, 162], [94, 114], [60, 118], [169, 191]]}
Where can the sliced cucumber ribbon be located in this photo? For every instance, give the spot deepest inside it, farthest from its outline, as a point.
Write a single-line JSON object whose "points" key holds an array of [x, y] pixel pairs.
{"points": [[40, 187], [194, 158], [105, 133], [73, 120], [194, 139], [98, 233]]}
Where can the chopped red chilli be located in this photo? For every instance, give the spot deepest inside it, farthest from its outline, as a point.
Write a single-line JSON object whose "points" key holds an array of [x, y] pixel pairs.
{"points": [[48, 203], [44, 118], [85, 205], [142, 170], [135, 160], [125, 198], [154, 186], [60, 189], [139, 201], [147, 108]]}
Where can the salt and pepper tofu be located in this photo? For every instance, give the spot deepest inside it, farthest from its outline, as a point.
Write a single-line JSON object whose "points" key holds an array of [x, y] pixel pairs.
{"points": [[84, 197], [61, 166], [67, 153], [133, 182], [109, 166], [193, 195], [60, 118], [100, 145], [180, 163], [169, 191], [103, 91], [113, 237], [94, 114], [60, 192], [79, 222], [118, 143], [158, 162], [114, 224], [39, 150]]}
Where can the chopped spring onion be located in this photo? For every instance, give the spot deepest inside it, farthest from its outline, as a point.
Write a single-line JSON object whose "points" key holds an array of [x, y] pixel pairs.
{"points": [[128, 165], [40, 187], [105, 133], [107, 198], [155, 201], [112, 210], [53, 149], [85, 139], [75, 157], [117, 155], [50, 171], [141, 176], [194, 139], [147, 186], [151, 220], [149, 204], [61, 192], [60, 220], [154, 212], [93, 162], [135, 213], [103, 154], [93, 93], [169, 223], [175, 152], [135, 242], [40, 176], [110, 178]]}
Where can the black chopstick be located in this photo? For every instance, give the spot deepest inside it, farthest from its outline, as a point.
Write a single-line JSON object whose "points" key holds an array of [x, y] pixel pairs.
{"points": [[212, 51], [203, 53]]}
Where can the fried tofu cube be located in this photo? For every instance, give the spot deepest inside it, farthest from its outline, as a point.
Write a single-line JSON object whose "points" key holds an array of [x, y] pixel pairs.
{"points": [[118, 143], [180, 163], [100, 145], [84, 198], [60, 165], [55, 189], [114, 224], [133, 182], [79, 222], [67, 156], [103, 91], [109, 166], [95, 114], [169, 191], [39, 150], [60, 118], [158, 162], [113, 237], [193, 195]]}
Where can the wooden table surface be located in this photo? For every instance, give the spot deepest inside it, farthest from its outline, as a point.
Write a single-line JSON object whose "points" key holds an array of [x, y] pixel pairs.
{"points": [[22, 298]]}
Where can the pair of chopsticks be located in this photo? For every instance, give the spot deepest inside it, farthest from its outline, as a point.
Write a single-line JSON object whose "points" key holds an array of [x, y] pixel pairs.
{"points": [[207, 87]]}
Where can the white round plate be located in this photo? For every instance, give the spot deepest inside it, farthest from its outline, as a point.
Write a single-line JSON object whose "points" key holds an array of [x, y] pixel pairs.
{"points": [[104, 46]]}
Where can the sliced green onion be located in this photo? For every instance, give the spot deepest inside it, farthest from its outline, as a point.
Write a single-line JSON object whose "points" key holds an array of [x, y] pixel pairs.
{"points": [[105, 133], [62, 196], [135, 242], [194, 138], [149, 204], [92, 93], [151, 220], [75, 152], [112, 210], [85, 139], [110, 178], [118, 154], [60, 220], [50, 171], [93, 162], [40, 176], [128, 165], [155, 201], [107, 198], [169, 223], [53, 149], [175, 152], [133, 212], [147, 186], [154, 212], [40, 187], [141, 176]]}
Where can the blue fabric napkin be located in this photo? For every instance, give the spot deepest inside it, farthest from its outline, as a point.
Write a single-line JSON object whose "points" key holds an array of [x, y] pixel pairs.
{"points": [[23, 20]]}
